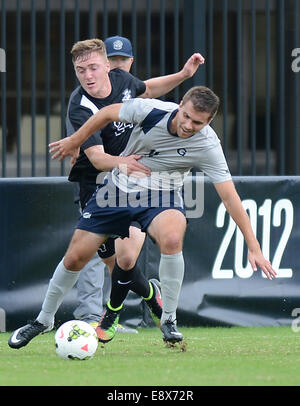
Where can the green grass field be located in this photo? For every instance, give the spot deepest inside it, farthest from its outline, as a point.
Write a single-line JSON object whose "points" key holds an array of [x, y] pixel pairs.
{"points": [[210, 356]]}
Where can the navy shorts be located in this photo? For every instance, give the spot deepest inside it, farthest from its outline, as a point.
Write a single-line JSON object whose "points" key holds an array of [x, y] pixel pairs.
{"points": [[114, 215]]}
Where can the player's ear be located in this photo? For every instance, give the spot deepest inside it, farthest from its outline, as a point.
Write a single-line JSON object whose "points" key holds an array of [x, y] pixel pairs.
{"points": [[211, 118]]}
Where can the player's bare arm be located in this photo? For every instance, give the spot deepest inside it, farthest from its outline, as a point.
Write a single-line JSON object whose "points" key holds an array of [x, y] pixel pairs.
{"points": [[233, 204], [106, 162], [160, 86], [96, 154], [69, 146]]}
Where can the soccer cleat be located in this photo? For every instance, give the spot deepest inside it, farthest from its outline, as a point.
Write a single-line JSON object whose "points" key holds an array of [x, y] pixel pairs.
{"points": [[108, 324], [155, 303], [170, 332], [94, 324], [120, 328], [123, 329], [23, 335]]}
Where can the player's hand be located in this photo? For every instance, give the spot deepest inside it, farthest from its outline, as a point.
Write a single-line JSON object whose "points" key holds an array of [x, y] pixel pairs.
{"points": [[192, 64], [74, 157], [63, 148], [257, 260], [131, 166]]}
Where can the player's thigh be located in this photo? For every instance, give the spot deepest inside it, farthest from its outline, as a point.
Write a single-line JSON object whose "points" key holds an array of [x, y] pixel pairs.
{"points": [[83, 246], [168, 229], [128, 249]]}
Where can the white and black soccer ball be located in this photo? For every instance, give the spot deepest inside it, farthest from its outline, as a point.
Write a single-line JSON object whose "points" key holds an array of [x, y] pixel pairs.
{"points": [[76, 340]]}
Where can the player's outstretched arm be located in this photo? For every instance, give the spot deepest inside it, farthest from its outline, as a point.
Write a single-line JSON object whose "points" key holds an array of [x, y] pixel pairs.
{"points": [[233, 204], [159, 86], [69, 146]]}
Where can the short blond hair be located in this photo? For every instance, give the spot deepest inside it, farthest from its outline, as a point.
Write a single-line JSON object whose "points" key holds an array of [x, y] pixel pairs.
{"points": [[83, 49]]}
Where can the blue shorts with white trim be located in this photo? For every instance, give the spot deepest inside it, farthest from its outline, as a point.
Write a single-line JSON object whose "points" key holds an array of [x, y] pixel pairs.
{"points": [[114, 215]]}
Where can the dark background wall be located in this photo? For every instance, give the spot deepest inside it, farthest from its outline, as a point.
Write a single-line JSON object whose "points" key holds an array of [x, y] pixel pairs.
{"points": [[219, 287]]}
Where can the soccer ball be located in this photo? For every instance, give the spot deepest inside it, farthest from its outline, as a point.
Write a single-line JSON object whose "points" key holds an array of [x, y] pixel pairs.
{"points": [[76, 339]]}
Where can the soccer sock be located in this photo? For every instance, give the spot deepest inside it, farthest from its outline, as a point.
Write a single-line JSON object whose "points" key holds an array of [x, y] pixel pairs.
{"points": [[60, 284], [114, 309], [123, 281], [140, 284], [120, 285], [171, 272]]}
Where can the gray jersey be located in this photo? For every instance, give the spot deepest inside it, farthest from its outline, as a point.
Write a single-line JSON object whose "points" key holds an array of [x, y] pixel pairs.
{"points": [[169, 157]]}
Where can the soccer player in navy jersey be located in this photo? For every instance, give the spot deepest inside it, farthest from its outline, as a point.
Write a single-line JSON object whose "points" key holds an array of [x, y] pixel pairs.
{"points": [[91, 279]]}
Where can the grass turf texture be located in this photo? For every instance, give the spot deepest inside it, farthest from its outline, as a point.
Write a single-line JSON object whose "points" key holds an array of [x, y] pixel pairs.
{"points": [[210, 356]]}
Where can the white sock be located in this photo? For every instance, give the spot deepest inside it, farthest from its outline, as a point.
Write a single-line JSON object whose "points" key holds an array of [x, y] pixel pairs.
{"points": [[60, 284], [171, 272]]}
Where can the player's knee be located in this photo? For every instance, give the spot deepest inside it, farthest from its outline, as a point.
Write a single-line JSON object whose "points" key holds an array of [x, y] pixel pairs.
{"points": [[126, 261], [171, 243], [74, 262]]}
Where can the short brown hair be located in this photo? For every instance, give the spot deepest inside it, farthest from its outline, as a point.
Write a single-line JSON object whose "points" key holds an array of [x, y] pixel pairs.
{"points": [[82, 49], [203, 99]]}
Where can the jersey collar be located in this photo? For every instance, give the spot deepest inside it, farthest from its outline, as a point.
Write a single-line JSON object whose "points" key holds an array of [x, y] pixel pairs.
{"points": [[172, 115]]}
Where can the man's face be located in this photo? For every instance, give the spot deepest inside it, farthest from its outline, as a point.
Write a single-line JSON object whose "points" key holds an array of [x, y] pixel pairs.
{"points": [[189, 121], [92, 73], [119, 61]]}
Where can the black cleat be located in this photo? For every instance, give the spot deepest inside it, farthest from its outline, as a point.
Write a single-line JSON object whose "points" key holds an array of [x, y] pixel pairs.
{"points": [[23, 335], [170, 332]]}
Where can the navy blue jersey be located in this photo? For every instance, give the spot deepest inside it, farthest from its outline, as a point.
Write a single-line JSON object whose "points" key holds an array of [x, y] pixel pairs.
{"points": [[114, 136]]}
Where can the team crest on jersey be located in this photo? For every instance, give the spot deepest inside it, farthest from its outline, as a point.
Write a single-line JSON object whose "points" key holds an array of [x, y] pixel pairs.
{"points": [[121, 127], [126, 94], [181, 151]]}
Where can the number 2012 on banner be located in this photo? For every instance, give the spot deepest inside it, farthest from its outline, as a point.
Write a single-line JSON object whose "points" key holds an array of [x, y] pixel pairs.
{"points": [[270, 218]]}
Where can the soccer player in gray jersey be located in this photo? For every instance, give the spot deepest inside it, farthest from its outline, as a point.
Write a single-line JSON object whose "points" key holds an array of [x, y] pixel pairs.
{"points": [[169, 138]]}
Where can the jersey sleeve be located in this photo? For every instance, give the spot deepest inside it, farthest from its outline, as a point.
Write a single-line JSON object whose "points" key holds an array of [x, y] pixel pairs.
{"points": [[140, 86], [77, 116], [214, 165], [135, 110], [125, 85]]}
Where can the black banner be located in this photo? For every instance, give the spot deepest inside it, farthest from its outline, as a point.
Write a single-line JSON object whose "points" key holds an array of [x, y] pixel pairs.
{"points": [[219, 288], [36, 223]]}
